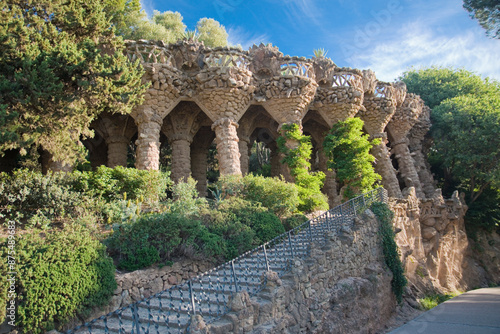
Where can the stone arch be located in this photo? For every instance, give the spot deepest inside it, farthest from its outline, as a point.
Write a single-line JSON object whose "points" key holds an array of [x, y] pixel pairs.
{"points": [[113, 134], [256, 124]]}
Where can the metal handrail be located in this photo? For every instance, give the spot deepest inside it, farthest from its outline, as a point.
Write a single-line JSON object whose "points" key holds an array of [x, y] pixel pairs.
{"points": [[208, 294]]}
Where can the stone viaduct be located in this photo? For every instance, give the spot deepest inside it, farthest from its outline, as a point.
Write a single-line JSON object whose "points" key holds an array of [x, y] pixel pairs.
{"points": [[198, 95]]}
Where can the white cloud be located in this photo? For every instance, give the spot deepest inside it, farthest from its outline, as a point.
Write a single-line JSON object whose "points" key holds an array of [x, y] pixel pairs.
{"points": [[238, 36], [149, 6], [417, 45]]}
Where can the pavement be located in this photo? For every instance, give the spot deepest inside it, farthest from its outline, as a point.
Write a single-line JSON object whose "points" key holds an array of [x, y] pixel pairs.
{"points": [[474, 312]]}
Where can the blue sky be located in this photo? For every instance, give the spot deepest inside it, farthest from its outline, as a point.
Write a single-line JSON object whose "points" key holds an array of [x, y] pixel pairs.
{"points": [[387, 36]]}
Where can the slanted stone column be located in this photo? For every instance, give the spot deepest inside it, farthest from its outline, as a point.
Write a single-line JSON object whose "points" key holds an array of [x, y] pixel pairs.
{"points": [[416, 146], [379, 108], [117, 151], [148, 143], [383, 166], [228, 151], [245, 147], [404, 119], [181, 157]]}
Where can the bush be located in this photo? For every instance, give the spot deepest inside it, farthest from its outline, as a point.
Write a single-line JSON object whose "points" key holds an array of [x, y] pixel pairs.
{"points": [[38, 200], [112, 183], [390, 248], [279, 196], [294, 221], [157, 238], [59, 275]]}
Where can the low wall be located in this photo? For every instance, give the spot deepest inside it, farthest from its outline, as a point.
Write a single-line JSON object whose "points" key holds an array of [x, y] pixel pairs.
{"points": [[343, 287]]}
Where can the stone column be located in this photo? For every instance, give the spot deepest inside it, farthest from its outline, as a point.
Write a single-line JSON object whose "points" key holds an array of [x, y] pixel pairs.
{"points": [[228, 151], [406, 165], [181, 157], [245, 147], [148, 144], [330, 186], [383, 166], [275, 159], [199, 166], [117, 151]]}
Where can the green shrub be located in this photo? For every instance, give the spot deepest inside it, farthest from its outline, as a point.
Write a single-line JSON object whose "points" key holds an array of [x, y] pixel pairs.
{"points": [[431, 301], [348, 152], [4, 285], [59, 275], [39, 200], [279, 196], [390, 248], [309, 183], [112, 183], [185, 199], [294, 221], [157, 238]]}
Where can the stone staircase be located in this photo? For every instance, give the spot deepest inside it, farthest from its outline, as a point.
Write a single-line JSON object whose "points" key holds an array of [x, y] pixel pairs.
{"points": [[209, 294]]}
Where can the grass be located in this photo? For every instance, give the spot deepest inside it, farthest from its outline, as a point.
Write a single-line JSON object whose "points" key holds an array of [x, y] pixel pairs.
{"points": [[434, 300]]}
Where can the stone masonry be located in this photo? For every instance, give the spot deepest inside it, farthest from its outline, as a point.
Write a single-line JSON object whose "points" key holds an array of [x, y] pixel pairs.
{"points": [[198, 95]]}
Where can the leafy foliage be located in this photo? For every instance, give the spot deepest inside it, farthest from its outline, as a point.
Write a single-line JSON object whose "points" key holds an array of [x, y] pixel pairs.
{"points": [[390, 248], [434, 300], [309, 183], [465, 125], [60, 274], [42, 201], [112, 183], [487, 13], [348, 152], [211, 33], [156, 238], [279, 196], [60, 66]]}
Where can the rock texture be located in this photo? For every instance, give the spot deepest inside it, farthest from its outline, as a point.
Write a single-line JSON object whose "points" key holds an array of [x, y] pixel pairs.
{"points": [[434, 247]]}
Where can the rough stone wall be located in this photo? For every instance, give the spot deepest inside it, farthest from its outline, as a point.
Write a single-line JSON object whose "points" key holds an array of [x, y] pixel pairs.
{"points": [[434, 247], [345, 277]]}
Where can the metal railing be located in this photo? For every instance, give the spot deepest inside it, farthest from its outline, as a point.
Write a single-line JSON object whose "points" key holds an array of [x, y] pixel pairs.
{"points": [[209, 294]]}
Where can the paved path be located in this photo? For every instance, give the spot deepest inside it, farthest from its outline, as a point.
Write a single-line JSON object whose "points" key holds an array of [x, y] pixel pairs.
{"points": [[474, 312]]}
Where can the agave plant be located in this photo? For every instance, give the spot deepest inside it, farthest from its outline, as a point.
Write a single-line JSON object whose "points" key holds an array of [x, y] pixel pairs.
{"points": [[191, 35], [320, 53]]}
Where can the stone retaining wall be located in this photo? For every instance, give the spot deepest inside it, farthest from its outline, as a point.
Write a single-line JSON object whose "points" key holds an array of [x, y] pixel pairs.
{"points": [[343, 286]]}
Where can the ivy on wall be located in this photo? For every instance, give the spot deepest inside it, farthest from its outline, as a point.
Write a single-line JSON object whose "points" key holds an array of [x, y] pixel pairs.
{"points": [[309, 183], [390, 248]]}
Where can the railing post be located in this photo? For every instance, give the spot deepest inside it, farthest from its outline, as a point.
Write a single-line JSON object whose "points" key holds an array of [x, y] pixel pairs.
{"points": [[310, 233], [135, 315], [234, 276], [341, 215], [364, 202], [290, 244], [265, 256], [191, 295], [353, 206]]}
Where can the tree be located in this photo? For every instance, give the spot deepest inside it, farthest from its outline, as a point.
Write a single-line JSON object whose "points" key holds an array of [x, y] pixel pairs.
{"points": [[60, 66], [487, 13], [465, 152], [348, 152], [124, 14], [211, 32]]}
